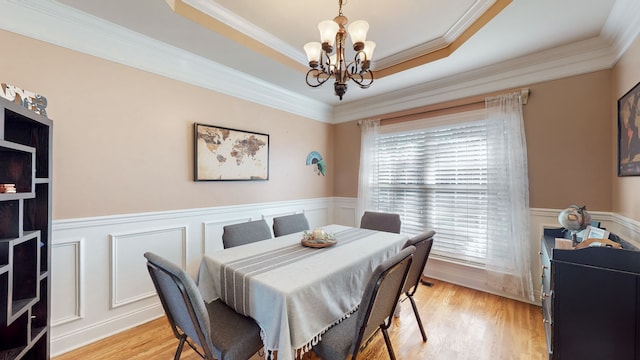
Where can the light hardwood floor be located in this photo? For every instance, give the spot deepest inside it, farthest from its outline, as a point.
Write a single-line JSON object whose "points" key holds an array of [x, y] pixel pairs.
{"points": [[461, 323]]}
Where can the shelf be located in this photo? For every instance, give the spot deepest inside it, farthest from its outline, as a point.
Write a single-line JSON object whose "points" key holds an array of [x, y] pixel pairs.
{"points": [[9, 219], [4, 300], [11, 354], [15, 335], [4, 255], [39, 311], [23, 130], [36, 218], [18, 161], [19, 299]]}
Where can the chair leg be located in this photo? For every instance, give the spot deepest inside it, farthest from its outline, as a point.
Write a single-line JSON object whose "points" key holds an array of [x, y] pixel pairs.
{"points": [[415, 311], [392, 355], [183, 338]]}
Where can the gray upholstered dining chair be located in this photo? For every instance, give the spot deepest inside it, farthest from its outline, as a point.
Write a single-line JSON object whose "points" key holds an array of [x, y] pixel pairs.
{"points": [[381, 221], [245, 233], [375, 312], [423, 243], [289, 224], [220, 332]]}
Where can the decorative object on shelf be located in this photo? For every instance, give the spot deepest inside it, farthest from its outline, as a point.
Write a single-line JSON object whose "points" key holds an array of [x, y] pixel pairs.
{"points": [[229, 154], [314, 158], [8, 188], [575, 219], [26, 99], [318, 238], [628, 136], [325, 66]]}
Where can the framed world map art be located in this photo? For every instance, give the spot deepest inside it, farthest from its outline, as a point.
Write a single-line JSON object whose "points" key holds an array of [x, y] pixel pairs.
{"points": [[628, 136], [229, 154]]}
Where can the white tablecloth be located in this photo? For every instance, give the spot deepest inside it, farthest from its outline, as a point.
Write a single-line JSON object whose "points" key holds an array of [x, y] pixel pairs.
{"points": [[296, 293]]}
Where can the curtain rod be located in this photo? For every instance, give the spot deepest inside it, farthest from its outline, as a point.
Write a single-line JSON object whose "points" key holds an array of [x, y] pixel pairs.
{"points": [[453, 106]]}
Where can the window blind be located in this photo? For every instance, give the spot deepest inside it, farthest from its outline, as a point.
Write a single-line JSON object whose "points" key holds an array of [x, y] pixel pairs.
{"points": [[436, 178]]}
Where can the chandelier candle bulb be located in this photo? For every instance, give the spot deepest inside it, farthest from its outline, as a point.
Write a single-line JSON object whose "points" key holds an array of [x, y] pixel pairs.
{"points": [[328, 30], [358, 31], [314, 52]]}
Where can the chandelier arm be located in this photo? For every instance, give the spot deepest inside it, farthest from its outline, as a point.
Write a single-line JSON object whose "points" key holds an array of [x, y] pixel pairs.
{"points": [[361, 80], [317, 75]]}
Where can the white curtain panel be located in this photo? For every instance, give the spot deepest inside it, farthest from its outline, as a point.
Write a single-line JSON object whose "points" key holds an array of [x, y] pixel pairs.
{"points": [[508, 258], [368, 173]]}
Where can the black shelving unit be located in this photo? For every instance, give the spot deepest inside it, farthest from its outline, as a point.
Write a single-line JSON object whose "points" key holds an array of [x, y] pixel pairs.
{"points": [[25, 232]]}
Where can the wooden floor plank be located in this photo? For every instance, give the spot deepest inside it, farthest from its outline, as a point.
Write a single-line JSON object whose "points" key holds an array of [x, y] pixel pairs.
{"points": [[461, 324]]}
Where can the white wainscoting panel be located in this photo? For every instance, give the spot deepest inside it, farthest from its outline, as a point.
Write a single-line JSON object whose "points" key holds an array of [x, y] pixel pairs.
{"points": [[68, 279], [100, 284], [345, 212], [130, 280], [107, 266], [317, 216]]}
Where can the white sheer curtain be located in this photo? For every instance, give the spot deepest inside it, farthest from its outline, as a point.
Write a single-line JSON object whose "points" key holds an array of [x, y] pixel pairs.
{"points": [[368, 174], [509, 259]]}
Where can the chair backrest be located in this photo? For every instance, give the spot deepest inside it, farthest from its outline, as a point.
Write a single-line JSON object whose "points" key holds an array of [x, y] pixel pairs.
{"points": [[381, 221], [381, 296], [422, 242], [289, 224], [245, 233], [182, 302]]}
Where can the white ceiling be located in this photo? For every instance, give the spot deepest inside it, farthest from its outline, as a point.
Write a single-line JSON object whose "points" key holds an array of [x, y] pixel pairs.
{"points": [[522, 37]]}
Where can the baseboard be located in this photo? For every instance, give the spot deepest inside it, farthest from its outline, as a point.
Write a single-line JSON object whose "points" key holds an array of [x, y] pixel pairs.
{"points": [[80, 337]]}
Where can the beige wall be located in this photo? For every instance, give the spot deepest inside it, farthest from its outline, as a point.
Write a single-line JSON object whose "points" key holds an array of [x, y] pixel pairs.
{"points": [[626, 74], [347, 150], [123, 138], [568, 133], [567, 125]]}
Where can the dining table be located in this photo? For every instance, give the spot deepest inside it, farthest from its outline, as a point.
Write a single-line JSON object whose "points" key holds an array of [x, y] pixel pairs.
{"points": [[295, 292]]}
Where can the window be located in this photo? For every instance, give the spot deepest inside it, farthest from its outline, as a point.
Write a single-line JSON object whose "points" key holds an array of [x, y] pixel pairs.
{"points": [[462, 175], [434, 174]]}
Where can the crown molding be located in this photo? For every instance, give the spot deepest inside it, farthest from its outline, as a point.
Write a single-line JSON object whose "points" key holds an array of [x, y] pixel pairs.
{"points": [[93, 36], [474, 13], [622, 25], [619, 32], [220, 13], [573, 59]]}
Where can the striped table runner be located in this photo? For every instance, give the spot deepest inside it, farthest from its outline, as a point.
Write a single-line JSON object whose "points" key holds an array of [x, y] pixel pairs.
{"points": [[234, 275]]}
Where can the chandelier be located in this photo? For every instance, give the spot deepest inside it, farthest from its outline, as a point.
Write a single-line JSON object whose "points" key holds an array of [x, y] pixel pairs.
{"points": [[325, 65]]}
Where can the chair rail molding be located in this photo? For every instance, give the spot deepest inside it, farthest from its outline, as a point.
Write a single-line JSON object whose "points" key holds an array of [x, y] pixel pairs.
{"points": [[91, 257]]}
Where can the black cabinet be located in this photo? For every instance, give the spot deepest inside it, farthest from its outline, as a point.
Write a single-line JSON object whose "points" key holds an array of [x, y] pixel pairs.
{"points": [[591, 301], [25, 232]]}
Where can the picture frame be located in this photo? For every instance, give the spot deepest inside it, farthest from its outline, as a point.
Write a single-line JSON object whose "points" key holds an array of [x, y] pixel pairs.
{"points": [[628, 136], [225, 154]]}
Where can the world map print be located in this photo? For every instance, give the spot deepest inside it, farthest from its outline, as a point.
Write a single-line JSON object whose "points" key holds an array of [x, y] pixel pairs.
{"points": [[228, 154]]}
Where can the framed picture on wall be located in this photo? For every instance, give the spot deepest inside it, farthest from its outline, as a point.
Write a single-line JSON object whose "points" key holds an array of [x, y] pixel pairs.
{"points": [[229, 154], [628, 137]]}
